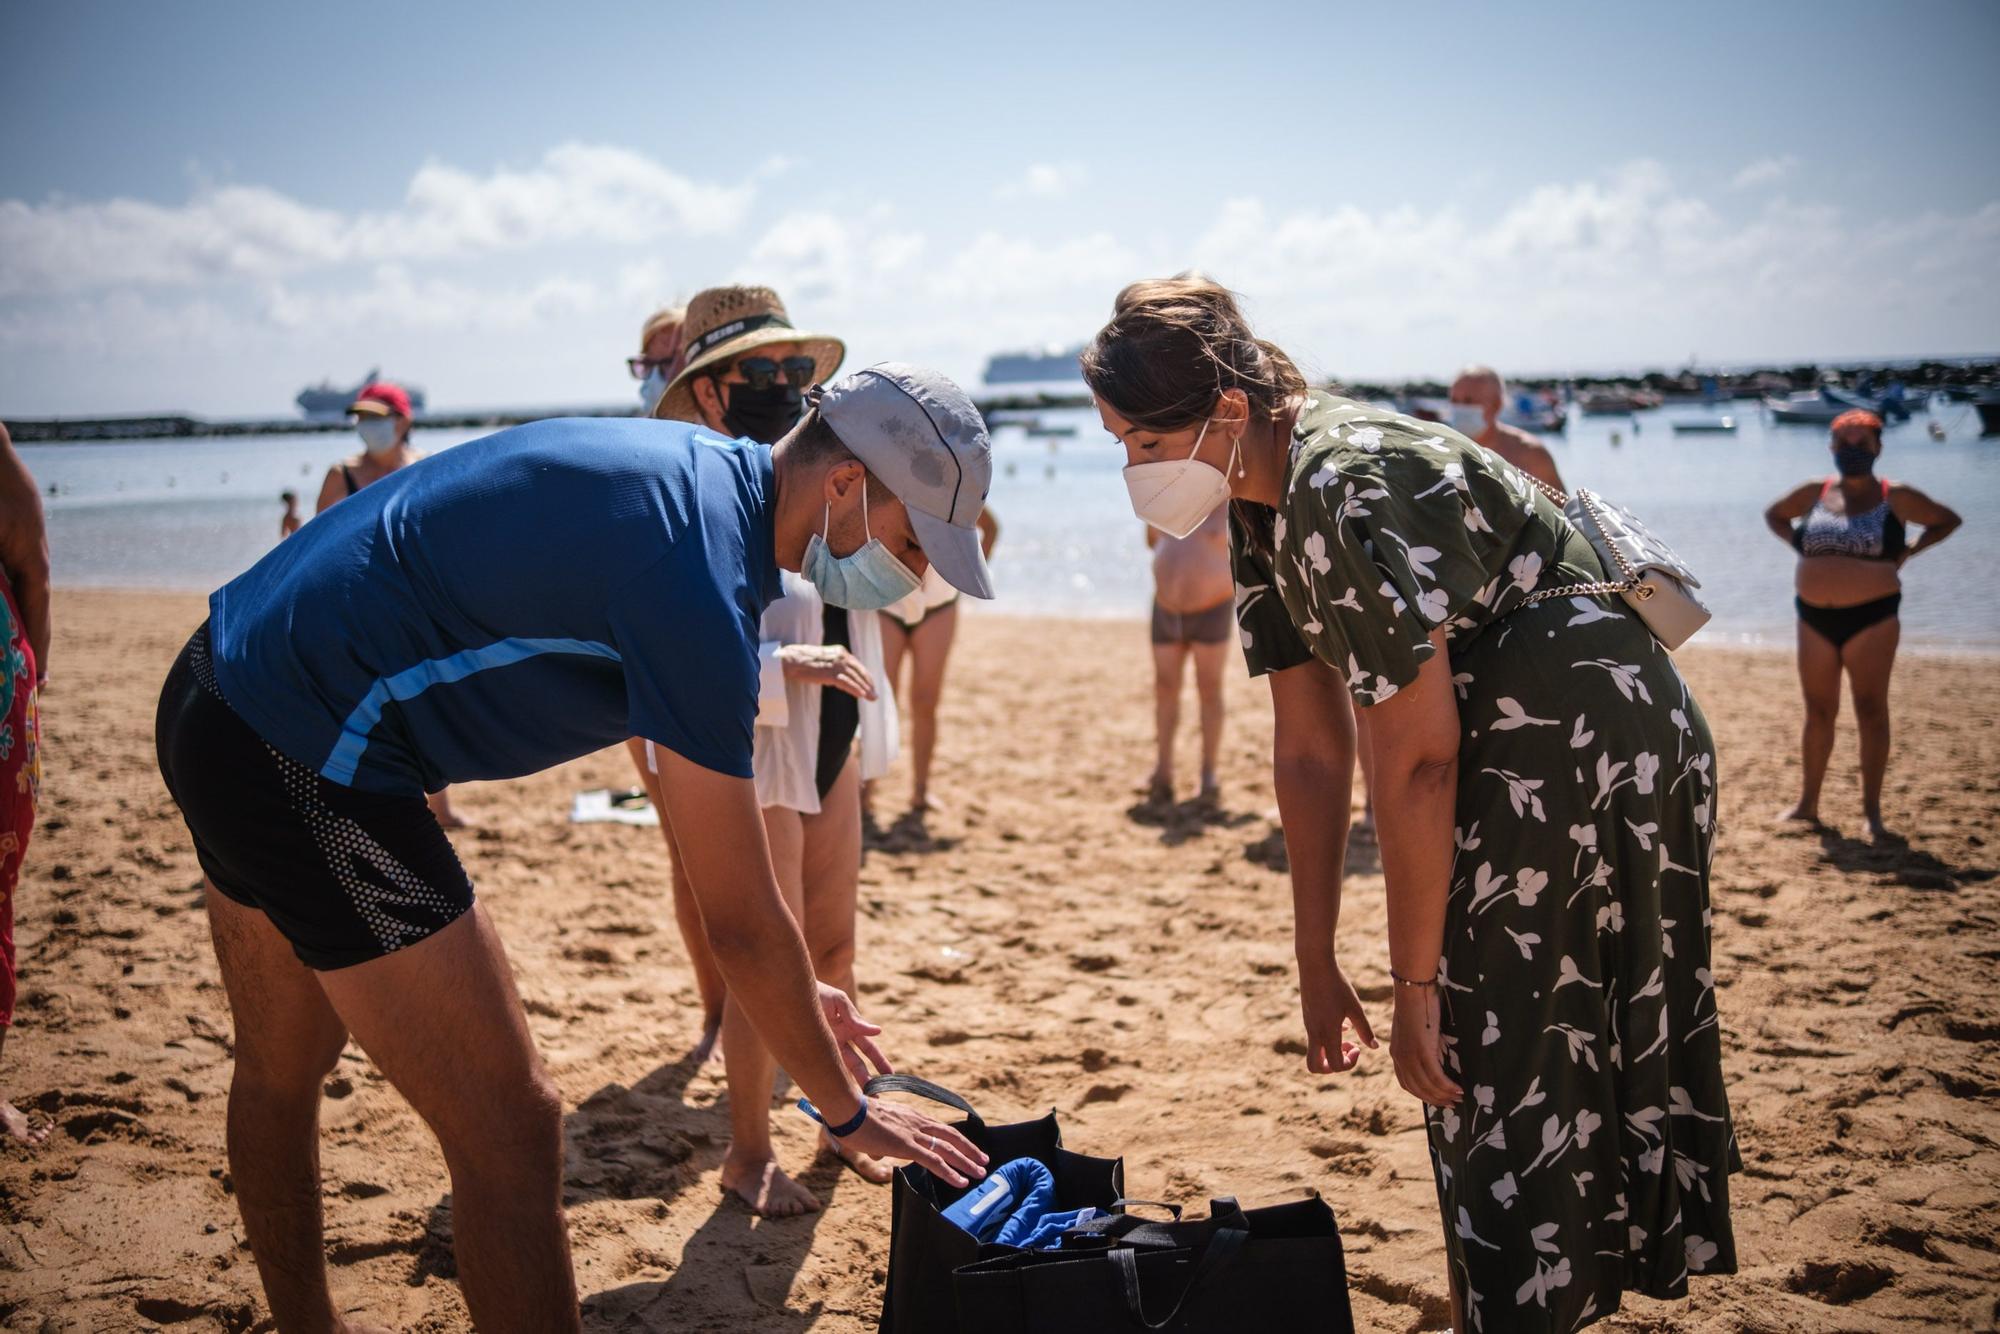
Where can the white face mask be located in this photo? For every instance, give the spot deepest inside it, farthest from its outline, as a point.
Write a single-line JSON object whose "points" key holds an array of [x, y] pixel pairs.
{"points": [[653, 388], [1175, 495], [378, 434], [1468, 419]]}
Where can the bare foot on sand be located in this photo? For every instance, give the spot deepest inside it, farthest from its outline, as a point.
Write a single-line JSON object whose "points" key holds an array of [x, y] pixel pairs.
{"points": [[14, 1126], [1159, 790], [876, 1170], [1801, 814], [1881, 833], [762, 1185]]}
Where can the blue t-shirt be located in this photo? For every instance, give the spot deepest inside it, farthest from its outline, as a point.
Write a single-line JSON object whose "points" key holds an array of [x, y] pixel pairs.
{"points": [[513, 603]]}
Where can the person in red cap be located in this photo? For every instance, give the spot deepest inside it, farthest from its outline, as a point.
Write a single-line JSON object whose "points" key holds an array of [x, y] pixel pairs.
{"points": [[382, 416], [1850, 533], [381, 413]]}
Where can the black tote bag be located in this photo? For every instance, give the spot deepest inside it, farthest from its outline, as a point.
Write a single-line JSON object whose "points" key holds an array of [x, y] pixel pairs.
{"points": [[1277, 1268], [924, 1248]]}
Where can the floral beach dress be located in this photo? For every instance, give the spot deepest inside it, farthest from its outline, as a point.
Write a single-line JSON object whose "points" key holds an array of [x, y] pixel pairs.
{"points": [[1591, 1154]]}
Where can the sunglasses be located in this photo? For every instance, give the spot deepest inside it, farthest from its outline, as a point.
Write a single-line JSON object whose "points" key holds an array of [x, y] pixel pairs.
{"points": [[641, 367], [760, 373]]}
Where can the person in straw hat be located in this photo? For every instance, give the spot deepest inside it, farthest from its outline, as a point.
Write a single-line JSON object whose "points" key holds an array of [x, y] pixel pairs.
{"points": [[758, 400], [514, 603], [819, 691], [745, 369]]}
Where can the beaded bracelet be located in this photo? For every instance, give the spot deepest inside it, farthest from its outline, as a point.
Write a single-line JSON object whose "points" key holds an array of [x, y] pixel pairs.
{"points": [[1402, 981]]}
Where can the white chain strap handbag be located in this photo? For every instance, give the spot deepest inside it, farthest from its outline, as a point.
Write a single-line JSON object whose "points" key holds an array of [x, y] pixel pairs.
{"points": [[1653, 581]]}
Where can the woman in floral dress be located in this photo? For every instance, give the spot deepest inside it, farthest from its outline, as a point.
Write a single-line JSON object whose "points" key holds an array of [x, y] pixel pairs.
{"points": [[1545, 801]]}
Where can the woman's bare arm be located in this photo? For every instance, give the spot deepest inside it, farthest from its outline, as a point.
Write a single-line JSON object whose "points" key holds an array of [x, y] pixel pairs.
{"points": [[1913, 506], [24, 548], [1789, 508]]}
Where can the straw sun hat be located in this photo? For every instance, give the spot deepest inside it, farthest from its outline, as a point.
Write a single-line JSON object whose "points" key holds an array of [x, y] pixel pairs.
{"points": [[724, 323]]}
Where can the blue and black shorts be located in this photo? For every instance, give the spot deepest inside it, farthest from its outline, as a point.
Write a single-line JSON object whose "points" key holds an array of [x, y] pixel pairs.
{"points": [[345, 875]]}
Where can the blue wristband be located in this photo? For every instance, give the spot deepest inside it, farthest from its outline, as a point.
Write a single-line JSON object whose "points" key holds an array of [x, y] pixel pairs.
{"points": [[843, 1130]]}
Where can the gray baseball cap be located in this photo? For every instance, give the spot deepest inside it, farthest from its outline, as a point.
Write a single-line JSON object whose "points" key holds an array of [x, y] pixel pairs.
{"points": [[919, 433]]}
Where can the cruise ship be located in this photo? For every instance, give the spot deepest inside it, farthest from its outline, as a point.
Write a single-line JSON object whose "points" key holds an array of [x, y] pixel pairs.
{"points": [[324, 399]]}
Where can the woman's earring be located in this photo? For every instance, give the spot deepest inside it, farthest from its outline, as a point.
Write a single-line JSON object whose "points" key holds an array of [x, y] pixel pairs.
{"points": [[1241, 471]]}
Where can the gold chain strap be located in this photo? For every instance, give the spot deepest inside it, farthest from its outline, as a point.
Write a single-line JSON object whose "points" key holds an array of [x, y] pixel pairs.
{"points": [[1629, 584]]}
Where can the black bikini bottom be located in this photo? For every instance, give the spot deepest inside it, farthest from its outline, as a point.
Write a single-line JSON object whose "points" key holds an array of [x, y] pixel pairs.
{"points": [[1837, 625]]}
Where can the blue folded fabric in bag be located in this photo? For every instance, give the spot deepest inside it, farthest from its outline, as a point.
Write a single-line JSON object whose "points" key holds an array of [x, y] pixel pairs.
{"points": [[1012, 1207]]}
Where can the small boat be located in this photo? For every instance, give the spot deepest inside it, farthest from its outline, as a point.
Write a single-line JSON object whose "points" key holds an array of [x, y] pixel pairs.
{"points": [[1714, 425], [1807, 408], [1891, 407], [1039, 429], [1537, 418], [1989, 414], [1614, 403]]}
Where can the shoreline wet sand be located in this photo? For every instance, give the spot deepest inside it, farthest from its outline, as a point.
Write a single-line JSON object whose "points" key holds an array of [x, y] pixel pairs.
{"points": [[1046, 942]]}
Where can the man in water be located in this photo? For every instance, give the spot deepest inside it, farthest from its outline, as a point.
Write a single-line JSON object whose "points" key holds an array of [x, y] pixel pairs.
{"points": [[1194, 616], [518, 601], [290, 521], [1482, 388]]}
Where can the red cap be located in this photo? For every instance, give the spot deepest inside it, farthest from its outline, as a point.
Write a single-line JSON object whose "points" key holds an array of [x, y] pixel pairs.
{"points": [[381, 399], [1860, 417]]}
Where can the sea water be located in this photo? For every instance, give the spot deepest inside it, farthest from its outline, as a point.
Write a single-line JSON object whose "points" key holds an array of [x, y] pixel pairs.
{"points": [[191, 514]]}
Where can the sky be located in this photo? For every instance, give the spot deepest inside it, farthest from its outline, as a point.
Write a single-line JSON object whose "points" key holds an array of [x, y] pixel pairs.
{"points": [[206, 206]]}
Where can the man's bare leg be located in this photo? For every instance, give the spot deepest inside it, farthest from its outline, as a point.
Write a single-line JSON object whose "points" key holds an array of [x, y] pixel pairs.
{"points": [[13, 1121], [287, 1040], [750, 1165], [832, 880], [1208, 662], [1169, 666], [442, 1020]]}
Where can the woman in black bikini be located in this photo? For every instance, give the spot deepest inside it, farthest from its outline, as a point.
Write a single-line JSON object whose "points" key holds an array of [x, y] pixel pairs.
{"points": [[1851, 535]]}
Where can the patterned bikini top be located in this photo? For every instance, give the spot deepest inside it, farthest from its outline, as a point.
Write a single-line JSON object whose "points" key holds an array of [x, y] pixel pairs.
{"points": [[1875, 534]]}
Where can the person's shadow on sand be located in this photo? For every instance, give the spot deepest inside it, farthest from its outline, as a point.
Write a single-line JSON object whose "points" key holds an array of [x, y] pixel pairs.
{"points": [[735, 1273], [1900, 861], [908, 832], [1180, 821], [646, 1143], [1364, 854]]}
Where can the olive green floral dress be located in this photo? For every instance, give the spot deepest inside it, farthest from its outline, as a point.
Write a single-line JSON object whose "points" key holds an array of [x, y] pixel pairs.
{"points": [[1592, 1152]]}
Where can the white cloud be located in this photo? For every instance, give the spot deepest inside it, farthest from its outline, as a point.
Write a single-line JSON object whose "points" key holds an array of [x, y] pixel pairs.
{"points": [[1764, 171], [1044, 180], [577, 192], [245, 292]]}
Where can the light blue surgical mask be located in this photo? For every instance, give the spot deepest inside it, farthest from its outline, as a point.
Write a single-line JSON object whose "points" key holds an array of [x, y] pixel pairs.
{"points": [[653, 388], [1468, 419], [865, 580], [378, 434]]}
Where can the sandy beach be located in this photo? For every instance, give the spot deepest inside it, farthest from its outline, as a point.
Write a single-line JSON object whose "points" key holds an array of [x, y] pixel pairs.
{"points": [[1044, 943]]}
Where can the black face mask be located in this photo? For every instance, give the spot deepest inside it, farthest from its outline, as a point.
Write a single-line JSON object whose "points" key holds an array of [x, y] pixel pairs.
{"points": [[1854, 461], [764, 415]]}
